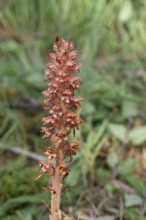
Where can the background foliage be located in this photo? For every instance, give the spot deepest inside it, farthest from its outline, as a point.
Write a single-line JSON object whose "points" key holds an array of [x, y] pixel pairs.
{"points": [[108, 176]]}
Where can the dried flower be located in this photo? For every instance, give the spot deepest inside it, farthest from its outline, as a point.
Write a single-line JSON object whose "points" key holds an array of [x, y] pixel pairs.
{"points": [[62, 120]]}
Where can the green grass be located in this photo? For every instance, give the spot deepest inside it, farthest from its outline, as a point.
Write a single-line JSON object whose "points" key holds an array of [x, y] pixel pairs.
{"points": [[93, 26]]}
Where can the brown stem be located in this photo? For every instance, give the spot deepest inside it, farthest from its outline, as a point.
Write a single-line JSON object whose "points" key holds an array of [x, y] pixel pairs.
{"points": [[57, 187], [55, 199]]}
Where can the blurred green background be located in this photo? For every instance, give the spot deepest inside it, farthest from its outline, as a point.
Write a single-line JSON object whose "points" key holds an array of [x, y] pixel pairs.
{"points": [[108, 176]]}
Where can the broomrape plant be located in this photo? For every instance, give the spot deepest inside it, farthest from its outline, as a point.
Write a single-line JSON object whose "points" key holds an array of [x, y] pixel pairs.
{"points": [[62, 105]]}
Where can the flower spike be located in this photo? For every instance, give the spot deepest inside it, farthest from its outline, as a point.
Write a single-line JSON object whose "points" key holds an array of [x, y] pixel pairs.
{"points": [[62, 105]]}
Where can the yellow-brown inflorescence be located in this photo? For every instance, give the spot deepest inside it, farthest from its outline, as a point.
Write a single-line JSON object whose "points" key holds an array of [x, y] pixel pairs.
{"points": [[62, 105]]}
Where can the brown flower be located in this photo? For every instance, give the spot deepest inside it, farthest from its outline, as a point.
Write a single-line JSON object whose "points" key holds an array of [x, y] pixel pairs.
{"points": [[46, 167], [59, 98], [63, 170]]}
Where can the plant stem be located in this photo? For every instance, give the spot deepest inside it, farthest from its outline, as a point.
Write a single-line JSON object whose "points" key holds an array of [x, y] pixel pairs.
{"points": [[55, 199], [57, 187]]}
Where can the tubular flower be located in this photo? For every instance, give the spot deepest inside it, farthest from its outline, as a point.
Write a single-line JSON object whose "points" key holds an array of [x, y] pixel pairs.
{"points": [[61, 104]]}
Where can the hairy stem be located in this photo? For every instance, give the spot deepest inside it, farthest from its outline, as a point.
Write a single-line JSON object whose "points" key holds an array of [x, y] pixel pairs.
{"points": [[55, 199], [57, 187]]}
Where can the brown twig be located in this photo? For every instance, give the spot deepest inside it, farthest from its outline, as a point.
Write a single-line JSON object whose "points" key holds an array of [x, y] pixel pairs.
{"points": [[24, 152]]}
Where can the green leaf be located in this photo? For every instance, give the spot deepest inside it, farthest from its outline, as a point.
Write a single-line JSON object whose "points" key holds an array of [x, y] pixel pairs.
{"points": [[88, 107], [126, 167], [112, 160], [132, 200], [28, 217], [136, 182], [94, 143], [129, 109], [10, 46], [131, 212], [103, 174], [14, 202], [74, 176], [138, 135], [119, 131], [35, 79], [126, 11]]}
